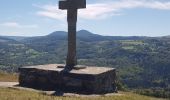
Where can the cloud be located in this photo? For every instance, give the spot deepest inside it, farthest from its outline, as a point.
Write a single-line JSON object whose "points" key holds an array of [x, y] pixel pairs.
{"points": [[106, 9], [52, 11], [17, 25], [97, 11]]}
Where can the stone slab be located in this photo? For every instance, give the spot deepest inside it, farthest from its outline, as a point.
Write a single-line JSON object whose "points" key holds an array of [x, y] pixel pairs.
{"points": [[52, 76]]}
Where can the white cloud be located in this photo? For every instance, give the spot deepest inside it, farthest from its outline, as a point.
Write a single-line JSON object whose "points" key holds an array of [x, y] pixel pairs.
{"points": [[104, 10], [17, 25], [97, 11], [52, 11]]}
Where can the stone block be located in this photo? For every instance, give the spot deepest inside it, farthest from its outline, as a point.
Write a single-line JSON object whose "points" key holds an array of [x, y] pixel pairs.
{"points": [[90, 80]]}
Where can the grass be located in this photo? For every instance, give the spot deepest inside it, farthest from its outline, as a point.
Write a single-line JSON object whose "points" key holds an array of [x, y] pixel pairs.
{"points": [[132, 42], [15, 94], [128, 47], [8, 77]]}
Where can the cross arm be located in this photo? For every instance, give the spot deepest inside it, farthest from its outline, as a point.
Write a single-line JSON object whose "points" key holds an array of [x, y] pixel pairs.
{"points": [[72, 4]]}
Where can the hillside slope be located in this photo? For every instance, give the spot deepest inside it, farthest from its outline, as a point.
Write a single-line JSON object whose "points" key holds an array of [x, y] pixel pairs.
{"points": [[140, 61]]}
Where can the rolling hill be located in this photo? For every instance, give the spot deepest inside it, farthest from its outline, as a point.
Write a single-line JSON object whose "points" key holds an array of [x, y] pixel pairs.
{"points": [[141, 62]]}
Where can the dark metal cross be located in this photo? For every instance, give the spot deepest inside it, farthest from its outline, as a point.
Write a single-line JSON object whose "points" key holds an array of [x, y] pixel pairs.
{"points": [[71, 6]]}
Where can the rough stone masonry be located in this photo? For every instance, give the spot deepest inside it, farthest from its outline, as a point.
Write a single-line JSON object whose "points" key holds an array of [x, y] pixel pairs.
{"points": [[91, 80]]}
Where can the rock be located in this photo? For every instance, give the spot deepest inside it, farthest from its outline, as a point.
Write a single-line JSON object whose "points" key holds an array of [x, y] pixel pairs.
{"points": [[89, 80]]}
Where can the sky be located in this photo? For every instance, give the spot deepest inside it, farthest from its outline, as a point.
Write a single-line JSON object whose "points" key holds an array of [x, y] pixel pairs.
{"points": [[104, 17]]}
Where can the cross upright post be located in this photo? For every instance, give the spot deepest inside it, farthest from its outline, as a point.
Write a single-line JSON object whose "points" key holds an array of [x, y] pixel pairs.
{"points": [[71, 6]]}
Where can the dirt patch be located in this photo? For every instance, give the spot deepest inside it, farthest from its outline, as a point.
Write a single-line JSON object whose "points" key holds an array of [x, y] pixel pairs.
{"points": [[8, 84]]}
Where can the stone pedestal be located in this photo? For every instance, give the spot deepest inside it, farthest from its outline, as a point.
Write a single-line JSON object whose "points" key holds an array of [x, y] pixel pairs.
{"points": [[90, 80]]}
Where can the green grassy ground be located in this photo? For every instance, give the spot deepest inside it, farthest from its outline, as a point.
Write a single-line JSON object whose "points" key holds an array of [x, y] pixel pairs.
{"points": [[14, 94], [132, 42]]}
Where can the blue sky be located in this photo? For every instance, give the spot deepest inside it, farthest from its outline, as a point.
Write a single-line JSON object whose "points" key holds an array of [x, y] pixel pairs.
{"points": [[104, 17]]}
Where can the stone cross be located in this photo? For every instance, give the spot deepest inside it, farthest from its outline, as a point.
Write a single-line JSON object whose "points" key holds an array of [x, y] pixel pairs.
{"points": [[71, 6]]}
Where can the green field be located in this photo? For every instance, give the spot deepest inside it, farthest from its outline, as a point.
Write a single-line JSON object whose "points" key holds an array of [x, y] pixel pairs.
{"points": [[132, 42]]}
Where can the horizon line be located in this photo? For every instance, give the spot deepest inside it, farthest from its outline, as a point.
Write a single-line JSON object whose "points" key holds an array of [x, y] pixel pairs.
{"points": [[87, 31]]}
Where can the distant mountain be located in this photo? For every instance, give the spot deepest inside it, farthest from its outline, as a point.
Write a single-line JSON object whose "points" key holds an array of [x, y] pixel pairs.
{"points": [[168, 36], [17, 38], [58, 39], [82, 35], [6, 40], [58, 34]]}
